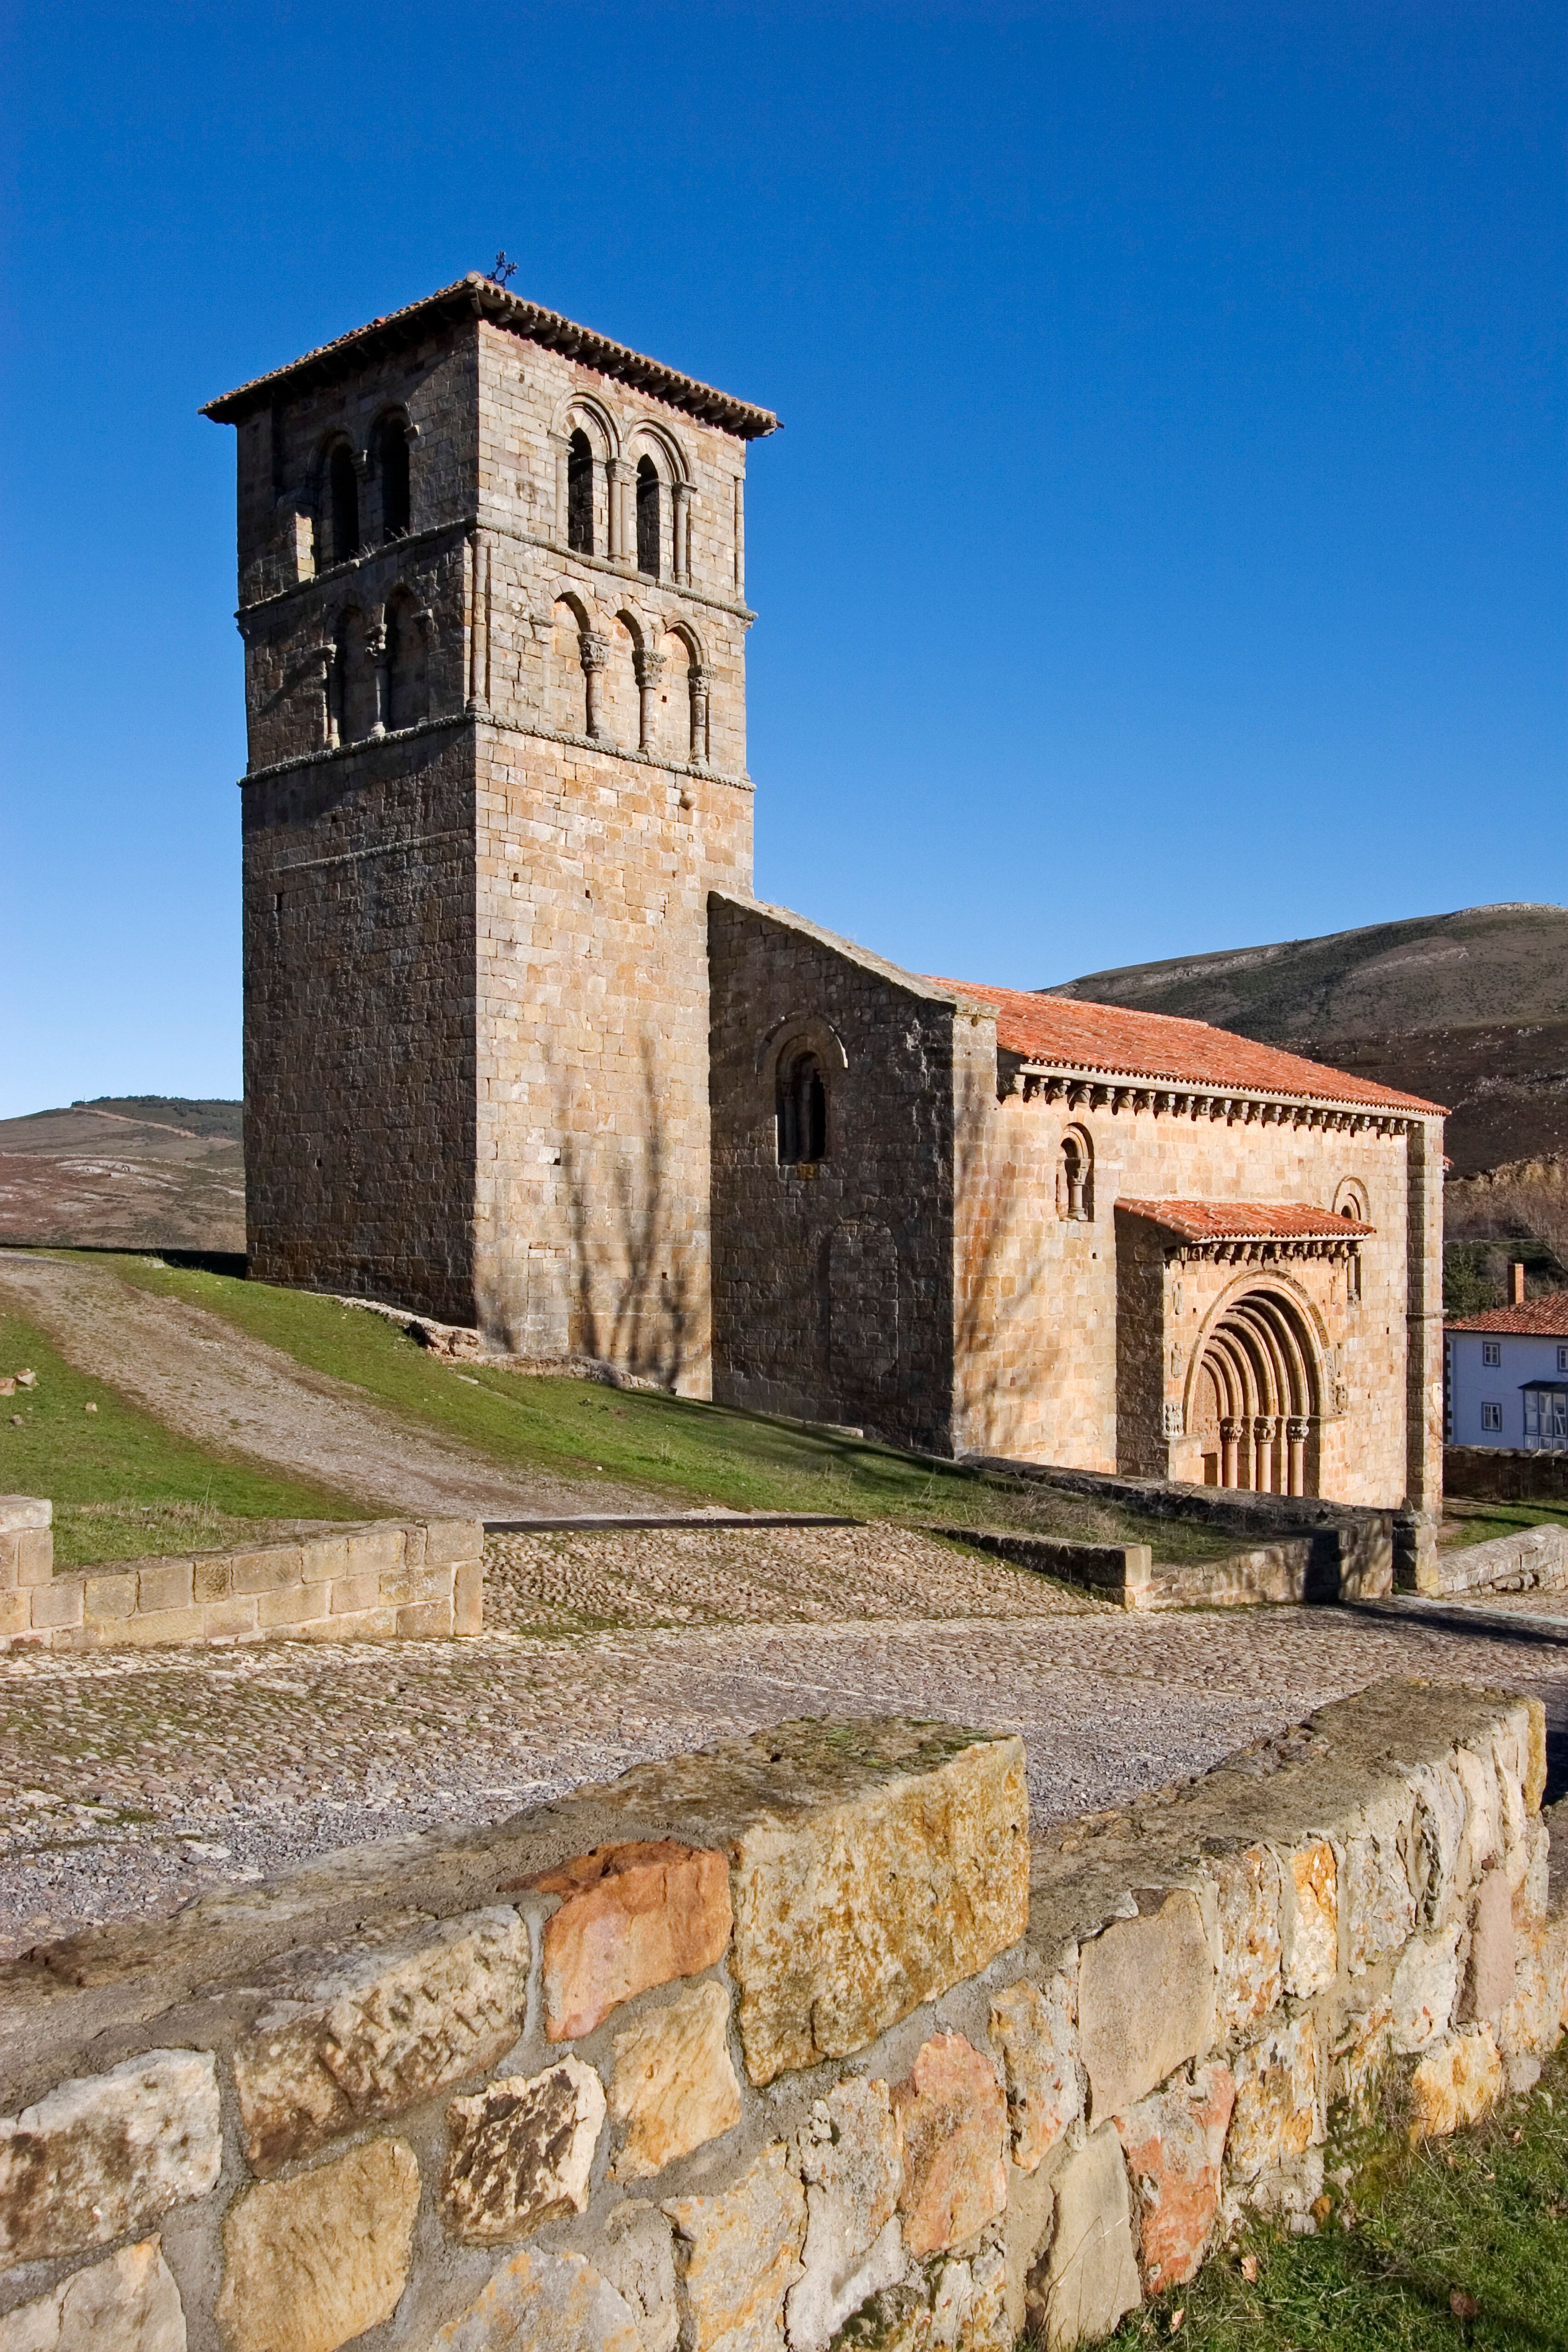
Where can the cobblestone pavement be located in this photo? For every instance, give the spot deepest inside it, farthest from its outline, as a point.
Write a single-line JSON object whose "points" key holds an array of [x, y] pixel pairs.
{"points": [[130, 1781]]}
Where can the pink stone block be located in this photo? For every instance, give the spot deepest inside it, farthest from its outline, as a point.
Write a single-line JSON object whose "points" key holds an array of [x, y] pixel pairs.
{"points": [[224, 1620], [169, 1585], [58, 1603], [109, 1596]]}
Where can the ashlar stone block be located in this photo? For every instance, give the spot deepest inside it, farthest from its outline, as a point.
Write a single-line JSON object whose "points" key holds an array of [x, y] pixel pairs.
{"points": [[632, 1916], [543, 2303], [365, 2037], [1309, 1916], [1175, 2145], [675, 2086], [850, 2163], [310, 2262], [127, 2304], [1456, 2082], [1249, 1944], [1088, 2280], [1035, 2034], [1145, 2001], [952, 2115], [108, 2153], [522, 2152], [1425, 1990], [738, 2255]]}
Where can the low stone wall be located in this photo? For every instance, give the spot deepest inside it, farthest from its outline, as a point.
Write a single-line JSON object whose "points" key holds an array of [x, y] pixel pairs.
{"points": [[1363, 1542], [1532, 1559], [754, 2042], [409, 1579], [1301, 1568], [1501, 1473]]}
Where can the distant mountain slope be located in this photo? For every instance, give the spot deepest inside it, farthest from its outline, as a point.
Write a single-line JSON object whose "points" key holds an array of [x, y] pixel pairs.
{"points": [[1470, 1008], [138, 1171]]}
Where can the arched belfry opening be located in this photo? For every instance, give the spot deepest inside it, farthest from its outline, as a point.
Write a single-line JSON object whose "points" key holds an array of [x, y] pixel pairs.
{"points": [[579, 493], [1256, 1406]]}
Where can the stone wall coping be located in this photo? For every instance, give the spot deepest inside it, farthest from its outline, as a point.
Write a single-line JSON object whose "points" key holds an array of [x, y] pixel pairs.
{"points": [[21, 1512]]}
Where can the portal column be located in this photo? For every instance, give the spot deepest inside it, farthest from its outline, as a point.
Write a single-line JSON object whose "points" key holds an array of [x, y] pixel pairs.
{"points": [[1296, 1432]]}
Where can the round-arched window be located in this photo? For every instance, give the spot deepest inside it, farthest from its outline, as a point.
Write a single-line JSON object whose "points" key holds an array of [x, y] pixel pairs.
{"points": [[802, 1110]]}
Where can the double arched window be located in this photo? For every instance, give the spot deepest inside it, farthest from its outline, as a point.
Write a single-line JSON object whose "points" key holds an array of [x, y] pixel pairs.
{"points": [[802, 1110]]}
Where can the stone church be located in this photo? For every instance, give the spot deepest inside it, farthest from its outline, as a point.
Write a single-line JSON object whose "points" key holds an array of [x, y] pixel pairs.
{"points": [[522, 1049]]}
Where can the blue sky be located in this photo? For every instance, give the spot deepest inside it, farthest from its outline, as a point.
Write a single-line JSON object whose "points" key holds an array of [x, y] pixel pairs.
{"points": [[1165, 550]]}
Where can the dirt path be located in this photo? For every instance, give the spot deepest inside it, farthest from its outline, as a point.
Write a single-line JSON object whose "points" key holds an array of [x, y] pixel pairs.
{"points": [[236, 1395]]}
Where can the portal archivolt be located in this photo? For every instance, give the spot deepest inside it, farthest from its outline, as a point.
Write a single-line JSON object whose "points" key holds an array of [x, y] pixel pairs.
{"points": [[1256, 1399]]}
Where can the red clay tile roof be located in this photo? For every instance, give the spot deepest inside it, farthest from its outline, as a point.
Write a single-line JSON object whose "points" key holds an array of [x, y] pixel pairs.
{"points": [[1066, 1031], [1246, 1221], [478, 295], [1538, 1318]]}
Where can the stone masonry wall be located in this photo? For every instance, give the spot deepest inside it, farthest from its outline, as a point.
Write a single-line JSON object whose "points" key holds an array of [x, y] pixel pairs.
{"points": [[832, 1282], [759, 2042], [383, 1582], [1052, 1344], [476, 907]]}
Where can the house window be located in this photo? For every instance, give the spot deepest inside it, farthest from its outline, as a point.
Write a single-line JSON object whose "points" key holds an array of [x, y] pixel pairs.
{"points": [[802, 1112], [1545, 1416], [1492, 1417], [1563, 1359], [1492, 1353]]}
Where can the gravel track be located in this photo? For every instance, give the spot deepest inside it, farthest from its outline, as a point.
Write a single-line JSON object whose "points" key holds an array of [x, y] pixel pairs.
{"points": [[236, 1395]]}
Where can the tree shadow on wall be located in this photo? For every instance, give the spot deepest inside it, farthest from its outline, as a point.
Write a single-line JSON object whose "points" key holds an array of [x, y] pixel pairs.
{"points": [[634, 1293], [997, 1277]]}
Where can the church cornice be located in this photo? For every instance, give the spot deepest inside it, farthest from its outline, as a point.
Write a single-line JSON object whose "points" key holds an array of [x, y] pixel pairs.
{"points": [[1084, 1090]]}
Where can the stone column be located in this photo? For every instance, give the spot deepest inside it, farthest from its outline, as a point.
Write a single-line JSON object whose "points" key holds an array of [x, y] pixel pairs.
{"points": [[376, 651], [595, 652], [680, 554], [619, 475], [1229, 1438], [649, 669], [1296, 1431], [701, 678], [1264, 1426]]}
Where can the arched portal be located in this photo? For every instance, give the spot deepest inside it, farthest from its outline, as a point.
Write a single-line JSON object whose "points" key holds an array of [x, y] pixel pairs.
{"points": [[1255, 1403]]}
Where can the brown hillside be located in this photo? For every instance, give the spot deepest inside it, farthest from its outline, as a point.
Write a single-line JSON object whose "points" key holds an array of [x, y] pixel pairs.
{"points": [[128, 1172], [1468, 1009]]}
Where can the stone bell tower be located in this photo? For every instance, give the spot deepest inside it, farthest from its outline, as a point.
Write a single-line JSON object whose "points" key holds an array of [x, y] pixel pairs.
{"points": [[492, 594]]}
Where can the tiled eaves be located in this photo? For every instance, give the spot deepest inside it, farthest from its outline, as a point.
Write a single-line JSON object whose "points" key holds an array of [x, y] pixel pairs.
{"points": [[1536, 1318], [1246, 1221], [477, 296]]}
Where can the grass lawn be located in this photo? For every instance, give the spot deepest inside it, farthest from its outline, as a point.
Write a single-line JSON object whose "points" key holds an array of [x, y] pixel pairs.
{"points": [[690, 1452], [120, 1483], [1467, 1522], [1458, 2243]]}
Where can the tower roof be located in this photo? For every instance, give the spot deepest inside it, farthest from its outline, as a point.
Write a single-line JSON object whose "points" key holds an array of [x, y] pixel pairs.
{"points": [[476, 296]]}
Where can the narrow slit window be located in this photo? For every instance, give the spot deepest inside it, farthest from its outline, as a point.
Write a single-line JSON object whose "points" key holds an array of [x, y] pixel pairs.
{"points": [[647, 517], [580, 495]]}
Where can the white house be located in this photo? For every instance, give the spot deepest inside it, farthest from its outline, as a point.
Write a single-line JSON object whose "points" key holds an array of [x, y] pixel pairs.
{"points": [[1507, 1373]]}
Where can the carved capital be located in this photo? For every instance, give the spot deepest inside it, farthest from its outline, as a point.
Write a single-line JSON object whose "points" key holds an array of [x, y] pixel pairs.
{"points": [[648, 667], [593, 649], [617, 470]]}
